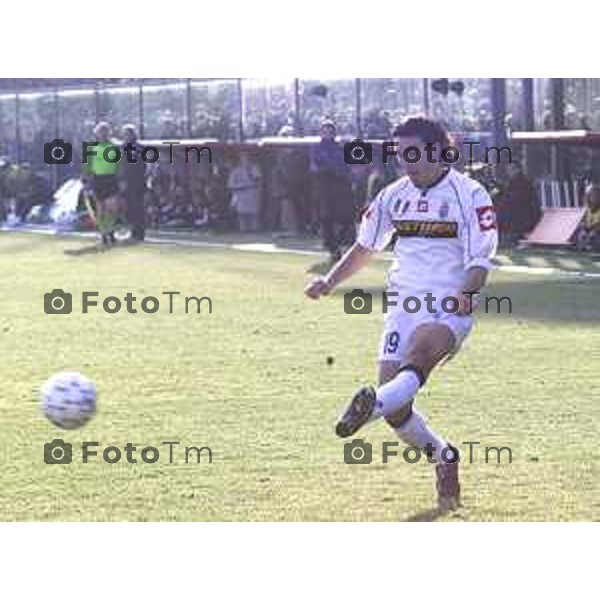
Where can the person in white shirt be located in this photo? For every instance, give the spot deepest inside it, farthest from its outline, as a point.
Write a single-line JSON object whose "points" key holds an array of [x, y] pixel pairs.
{"points": [[244, 183], [443, 229]]}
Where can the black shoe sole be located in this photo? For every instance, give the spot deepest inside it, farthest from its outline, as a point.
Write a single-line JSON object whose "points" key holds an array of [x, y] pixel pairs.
{"points": [[363, 403]]}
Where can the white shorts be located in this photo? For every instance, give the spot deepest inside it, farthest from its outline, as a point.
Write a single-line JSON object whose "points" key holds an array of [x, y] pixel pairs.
{"points": [[400, 325]]}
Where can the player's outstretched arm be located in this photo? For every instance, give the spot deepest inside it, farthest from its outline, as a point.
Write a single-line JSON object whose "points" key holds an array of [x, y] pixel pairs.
{"points": [[356, 257]]}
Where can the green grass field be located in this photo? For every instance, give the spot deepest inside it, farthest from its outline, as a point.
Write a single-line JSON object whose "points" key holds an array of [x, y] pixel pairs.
{"points": [[252, 382]]}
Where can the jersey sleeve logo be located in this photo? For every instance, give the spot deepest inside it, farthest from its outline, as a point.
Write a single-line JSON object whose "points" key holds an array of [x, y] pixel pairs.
{"points": [[487, 218]]}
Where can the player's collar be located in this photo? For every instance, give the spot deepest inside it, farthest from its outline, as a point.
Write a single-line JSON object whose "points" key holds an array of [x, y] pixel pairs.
{"points": [[435, 182]]}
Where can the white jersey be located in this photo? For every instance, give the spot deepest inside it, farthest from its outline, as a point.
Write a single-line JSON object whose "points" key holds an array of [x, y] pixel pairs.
{"points": [[438, 233]]}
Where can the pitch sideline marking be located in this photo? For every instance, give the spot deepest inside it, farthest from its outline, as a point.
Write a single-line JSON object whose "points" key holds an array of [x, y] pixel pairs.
{"points": [[270, 248]]}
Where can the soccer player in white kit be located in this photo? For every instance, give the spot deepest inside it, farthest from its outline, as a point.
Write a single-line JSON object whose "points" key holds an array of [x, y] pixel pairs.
{"points": [[443, 227]]}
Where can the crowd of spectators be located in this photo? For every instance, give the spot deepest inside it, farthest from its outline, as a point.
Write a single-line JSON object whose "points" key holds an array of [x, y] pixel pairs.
{"points": [[21, 188], [278, 190], [274, 189]]}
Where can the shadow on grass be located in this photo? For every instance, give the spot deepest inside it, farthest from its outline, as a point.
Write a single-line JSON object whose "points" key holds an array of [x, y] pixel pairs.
{"points": [[565, 300], [14, 244], [552, 257], [433, 514]]}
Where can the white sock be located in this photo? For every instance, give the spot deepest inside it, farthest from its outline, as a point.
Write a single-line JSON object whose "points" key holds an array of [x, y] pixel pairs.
{"points": [[415, 432], [397, 393]]}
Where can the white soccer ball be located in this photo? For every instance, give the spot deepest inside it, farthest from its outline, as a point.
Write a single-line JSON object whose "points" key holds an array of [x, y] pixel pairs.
{"points": [[69, 399]]}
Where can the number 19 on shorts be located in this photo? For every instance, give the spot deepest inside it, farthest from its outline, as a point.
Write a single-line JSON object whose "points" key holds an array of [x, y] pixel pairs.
{"points": [[392, 342]]}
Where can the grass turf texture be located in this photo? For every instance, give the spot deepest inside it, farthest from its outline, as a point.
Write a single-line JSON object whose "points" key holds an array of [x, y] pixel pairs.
{"points": [[253, 382]]}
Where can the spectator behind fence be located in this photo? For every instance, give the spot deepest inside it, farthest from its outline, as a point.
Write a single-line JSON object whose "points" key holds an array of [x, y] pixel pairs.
{"points": [[278, 215], [216, 197], [20, 185], [133, 184], [360, 181], [518, 207], [198, 185], [289, 185], [244, 183], [333, 188], [588, 235], [294, 163], [369, 180], [375, 182], [4, 195]]}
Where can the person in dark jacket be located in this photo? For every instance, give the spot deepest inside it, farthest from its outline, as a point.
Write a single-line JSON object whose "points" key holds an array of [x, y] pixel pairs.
{"points": [[519, 210], [333, 188], [133, 182]]}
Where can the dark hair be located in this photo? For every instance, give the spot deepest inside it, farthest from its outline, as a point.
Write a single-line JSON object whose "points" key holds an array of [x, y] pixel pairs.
{"points": [[427, 130]]}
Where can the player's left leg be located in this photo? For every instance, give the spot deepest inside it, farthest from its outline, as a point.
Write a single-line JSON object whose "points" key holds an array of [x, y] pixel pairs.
{"points": [[101, 217], [112, 208]]}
